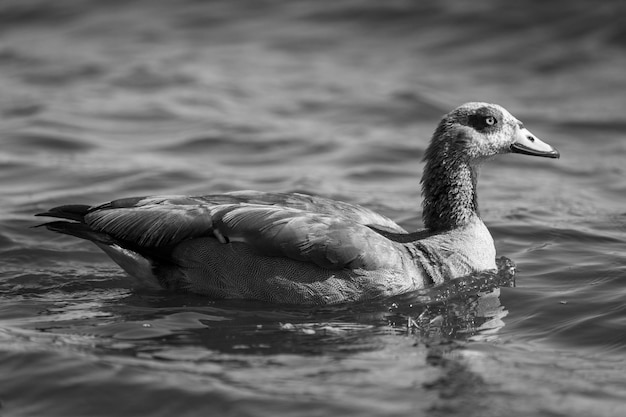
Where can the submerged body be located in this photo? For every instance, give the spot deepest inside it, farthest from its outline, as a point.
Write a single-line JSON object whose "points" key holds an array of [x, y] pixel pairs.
{"points": [[295, 248]]}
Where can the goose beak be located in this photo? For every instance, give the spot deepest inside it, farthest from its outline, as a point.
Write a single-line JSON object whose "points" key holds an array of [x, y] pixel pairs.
{"points": [[528, 144]]}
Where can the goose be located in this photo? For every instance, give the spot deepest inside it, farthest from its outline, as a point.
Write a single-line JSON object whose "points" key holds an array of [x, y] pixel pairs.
{"points": [[302, 249]]}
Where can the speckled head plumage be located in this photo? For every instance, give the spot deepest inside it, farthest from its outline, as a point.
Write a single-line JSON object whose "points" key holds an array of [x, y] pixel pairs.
{"points": [[465, 137], [476, 131]]}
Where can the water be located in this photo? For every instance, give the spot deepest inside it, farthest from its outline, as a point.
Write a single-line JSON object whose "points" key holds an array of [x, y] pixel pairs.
{"points": [[109, 99]]}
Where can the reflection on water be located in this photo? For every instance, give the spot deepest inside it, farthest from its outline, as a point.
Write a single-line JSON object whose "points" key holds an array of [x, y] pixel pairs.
{"points": [[241, 349], [245, 347], [465, 309], [460, 310]]}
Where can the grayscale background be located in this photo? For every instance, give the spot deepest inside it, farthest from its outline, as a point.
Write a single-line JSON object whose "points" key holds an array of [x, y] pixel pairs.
{"points": [[106, 99]]}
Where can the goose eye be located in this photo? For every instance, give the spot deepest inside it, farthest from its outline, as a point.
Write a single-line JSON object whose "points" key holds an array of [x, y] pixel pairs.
{"points": [[490, 120]]}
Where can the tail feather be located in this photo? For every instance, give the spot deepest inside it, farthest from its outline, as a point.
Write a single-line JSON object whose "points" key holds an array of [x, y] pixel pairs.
{"points": [[140, 263], [79, 230], [74, 212], [102, 239]]}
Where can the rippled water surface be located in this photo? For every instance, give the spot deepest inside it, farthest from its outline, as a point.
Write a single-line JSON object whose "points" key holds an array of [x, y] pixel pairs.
{"points": [[335, 98]]}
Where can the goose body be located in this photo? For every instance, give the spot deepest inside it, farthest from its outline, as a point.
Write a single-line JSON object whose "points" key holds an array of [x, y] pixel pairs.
{"points": [[296, 248]]}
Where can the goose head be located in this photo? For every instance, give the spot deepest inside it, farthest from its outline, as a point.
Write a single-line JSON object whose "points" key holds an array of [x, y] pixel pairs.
{"points": [[476, 131], [464, 138]]}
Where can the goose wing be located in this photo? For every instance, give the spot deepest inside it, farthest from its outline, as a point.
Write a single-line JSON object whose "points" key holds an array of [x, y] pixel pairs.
{"points": [[308, 203], [330, 238]]}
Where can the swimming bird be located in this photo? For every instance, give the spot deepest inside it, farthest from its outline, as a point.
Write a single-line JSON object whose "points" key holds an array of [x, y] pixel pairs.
{"points": [[303, 249]]}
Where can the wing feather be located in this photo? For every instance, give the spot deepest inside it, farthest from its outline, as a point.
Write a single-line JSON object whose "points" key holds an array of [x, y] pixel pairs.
{"points": [[307, 203], [152, 224], [327, 241], [330, 234]]}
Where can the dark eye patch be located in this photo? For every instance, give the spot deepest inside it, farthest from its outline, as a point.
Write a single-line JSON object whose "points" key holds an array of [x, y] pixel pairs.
{"points": [[478, 119]]}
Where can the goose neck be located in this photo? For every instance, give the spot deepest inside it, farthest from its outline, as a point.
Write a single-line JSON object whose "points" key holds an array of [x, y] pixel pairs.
{"points": [[449, 191]]}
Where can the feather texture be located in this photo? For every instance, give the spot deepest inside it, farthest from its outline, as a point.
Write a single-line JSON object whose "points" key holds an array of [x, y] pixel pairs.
{"points": [[272, 224]]}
